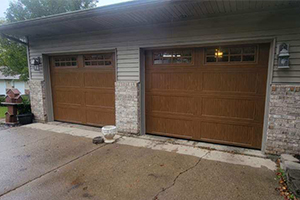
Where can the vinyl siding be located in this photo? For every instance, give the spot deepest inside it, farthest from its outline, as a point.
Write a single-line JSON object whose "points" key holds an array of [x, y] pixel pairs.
{"points": [[128, 63], [284, 28]]}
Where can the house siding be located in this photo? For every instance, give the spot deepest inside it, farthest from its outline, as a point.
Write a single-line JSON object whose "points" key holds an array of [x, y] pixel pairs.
{"points": [[284, 28], [128, 63]]}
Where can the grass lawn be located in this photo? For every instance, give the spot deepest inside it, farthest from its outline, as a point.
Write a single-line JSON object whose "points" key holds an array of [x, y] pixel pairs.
{"points": [[2, 111]]}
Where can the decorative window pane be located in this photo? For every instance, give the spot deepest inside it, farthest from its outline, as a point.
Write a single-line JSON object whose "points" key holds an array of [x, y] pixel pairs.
{"points": [[167, 61], [172, 57], [157, 62], [235, 51], [211, 51], [98, 60], [223, 59], [177, 60], [65, 61], [235, 58], [249, 58], [187, 60], [211, 59], [250, 50], [232, 54]]}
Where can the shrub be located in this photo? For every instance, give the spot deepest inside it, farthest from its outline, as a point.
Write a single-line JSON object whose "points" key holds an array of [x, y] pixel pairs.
{"points": [[24, 108], [2, 99]]}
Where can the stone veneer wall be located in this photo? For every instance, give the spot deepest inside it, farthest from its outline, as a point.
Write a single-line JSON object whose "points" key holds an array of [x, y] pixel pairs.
{"points": [[37, 98], [128, 107], [283, 135]]}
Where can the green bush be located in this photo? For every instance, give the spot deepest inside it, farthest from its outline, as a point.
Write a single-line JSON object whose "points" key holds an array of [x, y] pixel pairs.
{"points": [[2, 99], [24, 108]]}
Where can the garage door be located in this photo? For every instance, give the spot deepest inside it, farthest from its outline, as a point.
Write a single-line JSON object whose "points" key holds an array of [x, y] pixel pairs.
{"points": [[83, 88], [214, 94]]}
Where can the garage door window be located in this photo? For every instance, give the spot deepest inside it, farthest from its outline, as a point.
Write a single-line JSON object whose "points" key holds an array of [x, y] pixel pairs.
{"points": [[98, 60], [231, 54], [65, 61], [172, 57]]}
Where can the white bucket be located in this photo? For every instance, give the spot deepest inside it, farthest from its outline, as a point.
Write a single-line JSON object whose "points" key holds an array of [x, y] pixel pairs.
{"points": [[109, 133]]}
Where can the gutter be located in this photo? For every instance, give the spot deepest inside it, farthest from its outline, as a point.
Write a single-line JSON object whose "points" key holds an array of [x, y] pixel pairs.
{"points": [[14, 39], [79, 14]]}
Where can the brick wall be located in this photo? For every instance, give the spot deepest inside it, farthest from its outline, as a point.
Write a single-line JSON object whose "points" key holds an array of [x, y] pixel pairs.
{"points": [[37, 99], [128, 107], [283, 135]]}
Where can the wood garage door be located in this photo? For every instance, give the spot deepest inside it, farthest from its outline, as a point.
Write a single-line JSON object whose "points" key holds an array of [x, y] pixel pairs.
{"points": [[83, 88], [214, 94]]}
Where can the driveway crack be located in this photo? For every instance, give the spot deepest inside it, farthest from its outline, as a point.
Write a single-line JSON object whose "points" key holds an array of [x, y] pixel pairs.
{"points": [[181, 173]]}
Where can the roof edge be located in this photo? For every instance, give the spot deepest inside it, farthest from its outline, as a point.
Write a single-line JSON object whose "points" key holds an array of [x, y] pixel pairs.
{"points": [[78, 13]]}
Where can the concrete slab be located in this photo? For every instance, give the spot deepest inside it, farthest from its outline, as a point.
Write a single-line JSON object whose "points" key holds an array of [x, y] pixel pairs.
{"points": [[220, 181], [171, 145], [68, 129], [286, 165], [162, 139], [27, 154], [204, 145], [124, 172], [214, 155], [288, 157]]}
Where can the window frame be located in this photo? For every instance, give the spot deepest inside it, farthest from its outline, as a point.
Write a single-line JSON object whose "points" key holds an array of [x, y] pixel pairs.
{"points": [[172, 52], [98, 66], [66, 67], [256, 55]]}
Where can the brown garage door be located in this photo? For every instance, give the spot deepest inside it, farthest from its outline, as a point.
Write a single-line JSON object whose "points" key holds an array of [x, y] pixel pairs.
{"points": [[214, 94], [83, 88]]}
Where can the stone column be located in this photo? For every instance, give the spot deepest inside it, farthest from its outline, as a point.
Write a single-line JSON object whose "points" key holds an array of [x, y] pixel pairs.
{"points": [[37, 99], [128, 107], [283, 135]]}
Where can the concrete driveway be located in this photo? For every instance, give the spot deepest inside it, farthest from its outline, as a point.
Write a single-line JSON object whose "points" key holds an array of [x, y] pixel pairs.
{"points": [[39, 165]]}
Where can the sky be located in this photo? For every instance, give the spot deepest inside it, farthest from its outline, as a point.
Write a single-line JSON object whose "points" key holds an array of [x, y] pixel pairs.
{"points": [[4, 4]]}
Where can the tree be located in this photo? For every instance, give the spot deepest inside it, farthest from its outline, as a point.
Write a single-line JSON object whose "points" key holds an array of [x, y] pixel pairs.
{"points": [[12, 54], [28, 9]]}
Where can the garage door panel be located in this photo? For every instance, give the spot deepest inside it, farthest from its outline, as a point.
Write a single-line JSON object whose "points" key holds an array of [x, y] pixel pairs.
{"points": [[263, 54], [261, 82], [229, 108], [260, 110], [70, 97], [103, 79], [69, 113], [229, 82], [172, 104], [171, 127], [68, 79], [173, 81], [228, 133], [100, 117], [105, 99]]}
